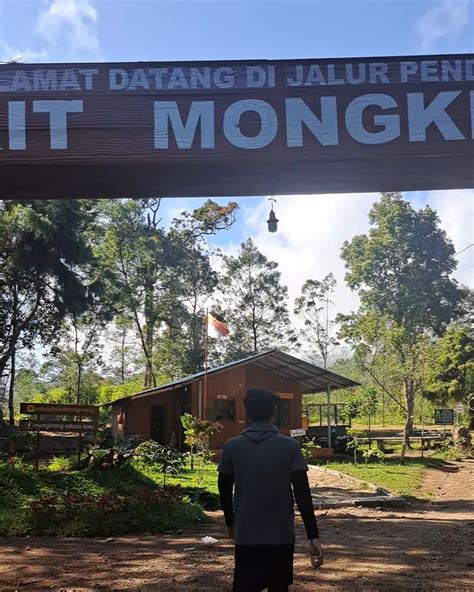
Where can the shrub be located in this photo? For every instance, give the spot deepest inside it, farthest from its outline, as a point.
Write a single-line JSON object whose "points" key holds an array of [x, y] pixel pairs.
{"points": [[127, 444], [306, 451], [169, 460], [62, 463], [371, 452], [198, 434]]}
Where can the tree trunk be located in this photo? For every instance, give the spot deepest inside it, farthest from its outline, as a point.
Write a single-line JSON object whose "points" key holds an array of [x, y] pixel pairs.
{"points": [[150, 320], [254, 332], [150, 380], [122, 357], [78, 384], [409, 396], [11, 391]]}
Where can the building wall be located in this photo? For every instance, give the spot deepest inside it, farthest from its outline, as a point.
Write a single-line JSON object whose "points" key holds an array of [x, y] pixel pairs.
{"points": [[257, 377], [138, 412], [229, 385]]}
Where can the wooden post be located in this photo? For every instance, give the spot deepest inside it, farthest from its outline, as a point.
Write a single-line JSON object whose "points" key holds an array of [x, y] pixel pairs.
{"points": [[328, 409], [205, 365], [37, 444], [80, 442]]}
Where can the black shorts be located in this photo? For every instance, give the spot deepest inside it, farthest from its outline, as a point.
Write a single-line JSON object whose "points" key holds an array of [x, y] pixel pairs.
{"points": [[260, 566]]}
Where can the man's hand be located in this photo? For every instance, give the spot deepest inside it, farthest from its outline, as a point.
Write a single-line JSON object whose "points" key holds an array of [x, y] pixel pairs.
{"points": [[316, 553], [231, 532]]}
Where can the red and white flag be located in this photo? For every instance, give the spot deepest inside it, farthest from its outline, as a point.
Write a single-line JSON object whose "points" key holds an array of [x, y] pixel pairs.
{"points": [[215, 328]]}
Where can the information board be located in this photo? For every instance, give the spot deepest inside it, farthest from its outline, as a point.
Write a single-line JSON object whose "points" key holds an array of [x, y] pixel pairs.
{"points": [[444, 416], [57, 409], [44, 425]]}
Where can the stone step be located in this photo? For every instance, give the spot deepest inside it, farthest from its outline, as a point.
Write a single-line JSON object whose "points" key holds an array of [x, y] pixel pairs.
{"points": [[350, 502]]}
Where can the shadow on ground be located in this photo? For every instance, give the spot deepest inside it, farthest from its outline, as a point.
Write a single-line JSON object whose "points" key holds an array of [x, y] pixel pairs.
{"points": [[367, 550]]}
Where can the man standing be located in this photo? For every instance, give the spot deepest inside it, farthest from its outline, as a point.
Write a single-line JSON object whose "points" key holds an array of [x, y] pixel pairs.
{"points": [[264, 465]]}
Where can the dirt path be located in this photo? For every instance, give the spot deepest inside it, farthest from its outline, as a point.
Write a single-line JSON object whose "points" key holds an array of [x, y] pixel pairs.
{"points": [[424, 548]]}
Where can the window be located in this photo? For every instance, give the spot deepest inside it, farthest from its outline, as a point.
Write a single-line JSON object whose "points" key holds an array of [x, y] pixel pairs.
{"points": [[282, 418], [221, 409]]}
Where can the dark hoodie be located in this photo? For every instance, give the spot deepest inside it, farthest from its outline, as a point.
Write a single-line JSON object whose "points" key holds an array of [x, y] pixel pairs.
{"points": [[261, 461]]}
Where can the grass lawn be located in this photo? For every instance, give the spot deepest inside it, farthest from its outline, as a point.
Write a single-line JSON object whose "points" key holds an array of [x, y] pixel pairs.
{"points": [[401, 479], [126, 500]]}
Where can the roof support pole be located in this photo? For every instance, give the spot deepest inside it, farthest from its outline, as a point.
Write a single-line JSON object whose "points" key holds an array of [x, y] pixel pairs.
{"points": [[328, 409], [200, 400]]}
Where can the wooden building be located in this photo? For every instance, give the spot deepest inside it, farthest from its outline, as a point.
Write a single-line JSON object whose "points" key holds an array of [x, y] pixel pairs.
{"points": [[155, 413]]}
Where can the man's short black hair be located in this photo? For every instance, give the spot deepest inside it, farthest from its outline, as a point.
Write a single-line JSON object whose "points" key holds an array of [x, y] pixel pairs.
{"points": [[260, 404]]}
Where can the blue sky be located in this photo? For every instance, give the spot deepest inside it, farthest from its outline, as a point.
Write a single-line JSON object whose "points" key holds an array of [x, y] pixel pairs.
{"points": [[312, 228], [229, 29]]}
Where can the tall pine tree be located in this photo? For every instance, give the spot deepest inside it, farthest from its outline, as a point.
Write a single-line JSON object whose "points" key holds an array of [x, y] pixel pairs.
{"points": [[254, 303]]}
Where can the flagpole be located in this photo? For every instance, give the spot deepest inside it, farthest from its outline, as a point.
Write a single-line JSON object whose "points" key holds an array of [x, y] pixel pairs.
{"points": [[205, 363]]}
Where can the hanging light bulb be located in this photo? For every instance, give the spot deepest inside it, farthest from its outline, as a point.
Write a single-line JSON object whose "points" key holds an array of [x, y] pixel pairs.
{"points": [[272, 219]]}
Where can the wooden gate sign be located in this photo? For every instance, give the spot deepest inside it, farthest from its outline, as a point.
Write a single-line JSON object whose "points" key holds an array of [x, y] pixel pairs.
{"points": [[58, 409], [222, 128], [44, 425]]}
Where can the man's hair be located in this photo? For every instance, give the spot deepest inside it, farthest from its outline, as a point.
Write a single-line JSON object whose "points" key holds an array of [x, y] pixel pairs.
{"points": [[260, 404]]}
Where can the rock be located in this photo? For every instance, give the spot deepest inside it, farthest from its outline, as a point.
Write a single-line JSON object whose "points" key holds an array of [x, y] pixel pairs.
{"points": [[208, 540]]}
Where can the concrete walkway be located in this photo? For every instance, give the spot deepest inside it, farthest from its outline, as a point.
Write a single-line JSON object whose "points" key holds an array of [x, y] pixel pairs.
{"points": [[331, 489]]}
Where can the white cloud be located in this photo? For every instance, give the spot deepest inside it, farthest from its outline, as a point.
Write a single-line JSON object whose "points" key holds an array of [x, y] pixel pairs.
{"points": [[67, 30], [310, 234], [446, 20], [13, 54], [70, 25], [312, 229], [456, 211]]}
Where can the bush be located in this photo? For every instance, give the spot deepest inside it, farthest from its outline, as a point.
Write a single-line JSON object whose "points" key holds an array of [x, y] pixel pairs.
{"points": [[62, 463], [306, 451], [169, 460], [93, 503], [15, 442], [371, 451], [127, 444]]}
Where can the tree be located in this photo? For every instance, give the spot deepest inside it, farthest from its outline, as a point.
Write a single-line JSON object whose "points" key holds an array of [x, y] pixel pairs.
{"points": [[319, 327], [401, 270], [151, 266], [255, 303], [44, 249], [450, 375], [198, 434]]}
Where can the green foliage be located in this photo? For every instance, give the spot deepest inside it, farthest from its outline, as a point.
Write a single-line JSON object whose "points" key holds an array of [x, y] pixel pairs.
{"points": [[45, 255], [370, 451], [401, 479], [18, 443], [360, 402], [313, 307], [151, 453], [160, 277], [401, 270], [254, 301], [62, 463], [128, 443], [91, 503], [450, 374], [306, 451], [198, 434]]}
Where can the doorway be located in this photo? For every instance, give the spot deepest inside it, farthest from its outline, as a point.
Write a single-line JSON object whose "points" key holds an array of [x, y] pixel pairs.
{"points": [[157, 423]]}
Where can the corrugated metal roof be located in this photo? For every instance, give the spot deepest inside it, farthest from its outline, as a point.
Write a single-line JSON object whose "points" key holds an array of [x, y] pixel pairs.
{"points": [[312, 378]]}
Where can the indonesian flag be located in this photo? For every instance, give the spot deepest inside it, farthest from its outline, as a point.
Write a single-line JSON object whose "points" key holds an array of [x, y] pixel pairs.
{"points": [[215, 328]]}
